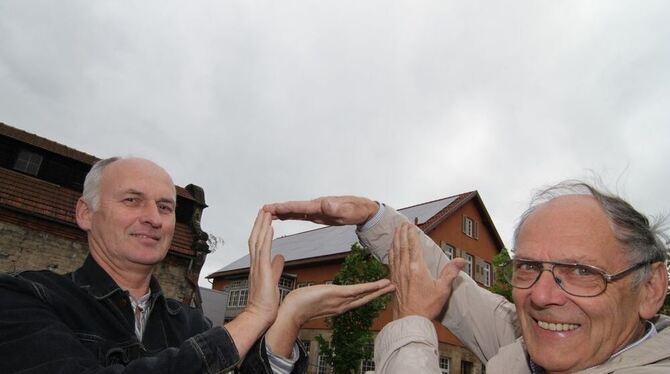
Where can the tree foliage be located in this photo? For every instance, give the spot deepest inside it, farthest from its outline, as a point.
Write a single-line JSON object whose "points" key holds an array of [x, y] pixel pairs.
{"points": [[352, 339], [501, 286]]}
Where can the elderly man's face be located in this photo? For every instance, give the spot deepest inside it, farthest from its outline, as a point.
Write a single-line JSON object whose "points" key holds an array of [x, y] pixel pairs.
{"points": [[565, 333], [134, 224]]}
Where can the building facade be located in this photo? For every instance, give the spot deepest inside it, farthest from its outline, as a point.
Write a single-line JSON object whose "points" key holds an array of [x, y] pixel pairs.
{"points": [[460, 224], [40, 183]]}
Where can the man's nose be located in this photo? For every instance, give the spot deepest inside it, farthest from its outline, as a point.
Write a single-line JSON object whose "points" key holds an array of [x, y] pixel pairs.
{"points": [[151, 215], [546, 290]]}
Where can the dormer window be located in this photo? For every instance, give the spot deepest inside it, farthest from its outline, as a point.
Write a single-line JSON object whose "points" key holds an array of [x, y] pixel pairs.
{"points": [[28, 162]]}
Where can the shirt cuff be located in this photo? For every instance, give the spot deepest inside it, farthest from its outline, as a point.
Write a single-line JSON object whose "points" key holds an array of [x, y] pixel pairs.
{"points": [[374, 220], [282, 365]]}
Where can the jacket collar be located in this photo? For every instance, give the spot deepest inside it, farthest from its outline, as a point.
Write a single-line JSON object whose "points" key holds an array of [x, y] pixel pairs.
{"points": [[95, 280]]}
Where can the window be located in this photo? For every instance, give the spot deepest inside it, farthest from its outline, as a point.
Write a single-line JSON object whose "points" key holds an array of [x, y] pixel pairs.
{"points": [[322, 366], [486, 274], [468, 264], [468, 226], [28, 162], [238, 297], [367, 365], [304, 284], [282, 294], [466, 367], [285, 282], [448, 250], [285, 286], [444, 364], [328, 282]]}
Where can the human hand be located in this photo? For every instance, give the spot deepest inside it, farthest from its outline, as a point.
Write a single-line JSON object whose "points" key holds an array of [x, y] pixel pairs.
{"points": [[330, 210], [324, 300], [417, 292], [263, 300]]}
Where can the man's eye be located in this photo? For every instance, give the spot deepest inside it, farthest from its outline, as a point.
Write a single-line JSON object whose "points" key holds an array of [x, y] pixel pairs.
{"points": [[131, 200], [583, 271], [166, 208], [528, 266]]}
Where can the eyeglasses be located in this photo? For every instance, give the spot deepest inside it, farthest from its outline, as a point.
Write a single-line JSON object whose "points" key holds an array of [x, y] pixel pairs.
{"points": [[575, 279]]}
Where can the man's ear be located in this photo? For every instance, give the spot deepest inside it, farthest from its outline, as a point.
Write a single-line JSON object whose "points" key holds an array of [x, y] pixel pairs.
{"points": [[653, 291], [84, 215]]}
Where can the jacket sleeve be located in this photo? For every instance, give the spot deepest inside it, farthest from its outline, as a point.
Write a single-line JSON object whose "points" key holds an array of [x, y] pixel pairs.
{"points": [[407, 345], [33, 339], [483, 321]]}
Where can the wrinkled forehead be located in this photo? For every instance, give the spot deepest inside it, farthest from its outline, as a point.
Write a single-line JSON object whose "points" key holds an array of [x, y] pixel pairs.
{"points": [[573, 227], [139, 175]]}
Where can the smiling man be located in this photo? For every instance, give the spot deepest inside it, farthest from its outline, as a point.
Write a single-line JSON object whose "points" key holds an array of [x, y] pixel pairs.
{"points": [[110, 315], [588, 273]]}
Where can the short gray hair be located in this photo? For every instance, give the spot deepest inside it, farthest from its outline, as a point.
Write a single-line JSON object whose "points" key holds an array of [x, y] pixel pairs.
{"points": [[91, 194], [642, 240]]}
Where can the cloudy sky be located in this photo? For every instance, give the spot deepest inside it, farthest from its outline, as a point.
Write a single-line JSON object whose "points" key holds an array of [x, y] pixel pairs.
{"points": [[401, 101]]}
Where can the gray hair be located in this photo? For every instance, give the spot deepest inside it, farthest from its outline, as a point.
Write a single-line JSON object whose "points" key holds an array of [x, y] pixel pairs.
{"points": [[91, 194], [642, 240]]}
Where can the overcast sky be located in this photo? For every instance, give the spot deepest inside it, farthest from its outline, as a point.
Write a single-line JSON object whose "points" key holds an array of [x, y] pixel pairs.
{"points": [[401, 101]]}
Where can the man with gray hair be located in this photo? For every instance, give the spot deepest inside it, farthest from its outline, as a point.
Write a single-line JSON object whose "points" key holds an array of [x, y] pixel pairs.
{"points": [[110, 315], [588, 275]]}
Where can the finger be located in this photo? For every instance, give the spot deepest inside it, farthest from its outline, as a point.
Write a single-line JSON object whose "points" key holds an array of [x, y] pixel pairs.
{"points": [[365, 298], [415, 248], [450, 272], [294, 210], [254, 230], [277, 267], [394, 256], [354, 290], [403, 247], [264, 227], [265, 247]]}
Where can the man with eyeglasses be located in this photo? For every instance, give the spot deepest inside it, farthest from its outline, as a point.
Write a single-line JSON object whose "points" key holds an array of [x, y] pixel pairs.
{"points": [[589, 277]]}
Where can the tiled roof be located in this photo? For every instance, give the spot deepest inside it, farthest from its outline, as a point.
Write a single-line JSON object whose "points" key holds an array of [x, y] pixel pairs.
{"points": [[334, 240]]}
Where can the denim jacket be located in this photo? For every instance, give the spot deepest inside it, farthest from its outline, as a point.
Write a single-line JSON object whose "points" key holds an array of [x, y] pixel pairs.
{"points": [[82, 322]]}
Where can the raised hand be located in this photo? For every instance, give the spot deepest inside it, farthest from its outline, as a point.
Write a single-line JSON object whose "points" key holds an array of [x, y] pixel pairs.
{"points": [[324, 300], [417, 292], [330, 210], [263, 300]]}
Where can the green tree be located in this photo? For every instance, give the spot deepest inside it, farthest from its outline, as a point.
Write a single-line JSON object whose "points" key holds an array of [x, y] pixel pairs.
{"points": [[501, 286], [352, 339]]}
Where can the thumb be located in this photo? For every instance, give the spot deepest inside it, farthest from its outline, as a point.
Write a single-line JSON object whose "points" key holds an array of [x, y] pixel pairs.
{"points": [[450, 272], [277, 267]]}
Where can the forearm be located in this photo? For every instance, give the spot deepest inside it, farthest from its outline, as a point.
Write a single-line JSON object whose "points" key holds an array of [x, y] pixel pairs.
{"points": [[245, 330], [282, 335], [407, 345]]}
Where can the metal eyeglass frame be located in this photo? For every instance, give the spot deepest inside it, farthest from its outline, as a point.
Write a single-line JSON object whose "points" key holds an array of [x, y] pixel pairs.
{"points": [[607, 278]]}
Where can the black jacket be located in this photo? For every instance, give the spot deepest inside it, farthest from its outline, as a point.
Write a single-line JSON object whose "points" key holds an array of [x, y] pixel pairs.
{"points": [[82, 322]]}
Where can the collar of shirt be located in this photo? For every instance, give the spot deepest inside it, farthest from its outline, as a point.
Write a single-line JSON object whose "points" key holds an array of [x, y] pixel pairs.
{"points": [[141, 310]]}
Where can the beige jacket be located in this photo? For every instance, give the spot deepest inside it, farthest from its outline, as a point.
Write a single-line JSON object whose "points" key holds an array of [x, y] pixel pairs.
{"points": [[485, 322]]}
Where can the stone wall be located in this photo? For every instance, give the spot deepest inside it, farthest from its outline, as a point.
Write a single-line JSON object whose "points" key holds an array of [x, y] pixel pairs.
{"points": [[27, 249]]}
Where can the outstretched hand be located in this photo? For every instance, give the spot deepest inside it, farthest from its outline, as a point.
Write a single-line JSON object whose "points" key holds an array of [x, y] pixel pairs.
{"points": [[324, 300], [417, 292], [330, 210]]}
